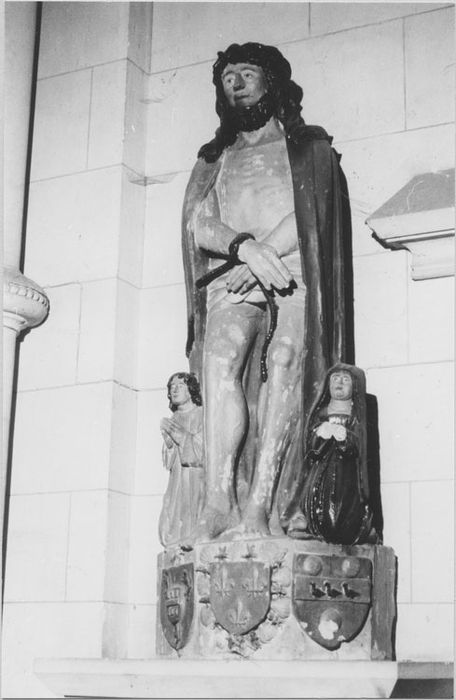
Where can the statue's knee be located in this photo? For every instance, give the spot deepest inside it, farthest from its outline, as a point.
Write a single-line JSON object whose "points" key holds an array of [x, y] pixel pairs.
{"points": [[284, 355], [222, 358]]}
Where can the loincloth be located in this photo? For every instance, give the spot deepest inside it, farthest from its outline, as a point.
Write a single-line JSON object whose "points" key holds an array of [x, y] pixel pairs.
{"points": [[217, 293]]}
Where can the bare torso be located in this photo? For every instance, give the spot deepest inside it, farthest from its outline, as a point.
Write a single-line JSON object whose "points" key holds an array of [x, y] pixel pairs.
{"points": [[255, 193]]}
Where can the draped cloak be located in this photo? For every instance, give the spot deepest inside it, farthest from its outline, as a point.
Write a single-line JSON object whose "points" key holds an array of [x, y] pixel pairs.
{"points": [[324, 232]]}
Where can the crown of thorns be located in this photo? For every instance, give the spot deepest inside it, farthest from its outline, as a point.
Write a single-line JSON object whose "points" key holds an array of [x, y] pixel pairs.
{"points": [[275, 67]]}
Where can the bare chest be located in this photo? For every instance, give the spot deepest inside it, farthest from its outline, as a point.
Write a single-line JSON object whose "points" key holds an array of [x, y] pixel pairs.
{"points": [[254, 187]]}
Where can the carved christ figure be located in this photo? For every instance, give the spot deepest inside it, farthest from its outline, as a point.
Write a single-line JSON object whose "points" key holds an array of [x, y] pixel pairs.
{"points": [[266, 195]]}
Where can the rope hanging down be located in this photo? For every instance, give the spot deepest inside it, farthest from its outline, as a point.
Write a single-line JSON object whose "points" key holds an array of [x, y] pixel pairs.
{"points": [[269, 295]]}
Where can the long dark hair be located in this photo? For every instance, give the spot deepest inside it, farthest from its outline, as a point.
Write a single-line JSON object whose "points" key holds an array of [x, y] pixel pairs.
{"points": [[193, 388], [285, 93]]}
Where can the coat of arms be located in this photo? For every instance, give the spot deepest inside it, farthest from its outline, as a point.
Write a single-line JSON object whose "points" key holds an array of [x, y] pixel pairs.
{"points": [[240, 594], [331, 596], [176, 604]]}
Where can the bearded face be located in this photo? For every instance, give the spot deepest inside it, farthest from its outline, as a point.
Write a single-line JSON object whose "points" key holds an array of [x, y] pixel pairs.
{"points": [[244, 84], [253, 83], [245, 90]]}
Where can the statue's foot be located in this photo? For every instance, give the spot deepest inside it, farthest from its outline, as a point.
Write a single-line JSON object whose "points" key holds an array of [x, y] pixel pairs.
{"points": [[298, 528], [301, 535], [213, 522], [253, 524]]}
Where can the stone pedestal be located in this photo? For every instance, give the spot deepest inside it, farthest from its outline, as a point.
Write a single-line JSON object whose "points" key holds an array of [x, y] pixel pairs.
{"points": [[266, 618], [277, 599]]}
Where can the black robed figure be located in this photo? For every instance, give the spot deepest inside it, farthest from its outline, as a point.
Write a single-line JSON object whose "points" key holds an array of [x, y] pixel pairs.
{"points": [[336, 492]]}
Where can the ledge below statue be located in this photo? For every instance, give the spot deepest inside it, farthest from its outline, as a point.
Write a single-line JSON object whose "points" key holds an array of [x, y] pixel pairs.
{"points": [[263, 618], [277, 599], [183, 678]]}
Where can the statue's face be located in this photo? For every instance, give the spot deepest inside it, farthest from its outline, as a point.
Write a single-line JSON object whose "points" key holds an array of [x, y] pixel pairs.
{"points": [[341, 385], [244, 84], [178, 391]]}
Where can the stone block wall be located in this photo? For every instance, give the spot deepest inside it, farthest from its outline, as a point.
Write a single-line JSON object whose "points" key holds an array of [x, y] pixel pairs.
{"points": [[124, 101], [66, 592]]}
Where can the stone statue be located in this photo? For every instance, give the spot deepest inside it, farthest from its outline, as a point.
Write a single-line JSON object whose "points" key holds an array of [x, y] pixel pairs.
{"points": [[183, 458], [336, 493], [266, 197], [267, 260]]}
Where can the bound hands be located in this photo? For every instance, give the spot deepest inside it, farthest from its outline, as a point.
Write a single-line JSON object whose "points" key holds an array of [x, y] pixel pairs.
{"points": [[172, 431], [262, 264]]}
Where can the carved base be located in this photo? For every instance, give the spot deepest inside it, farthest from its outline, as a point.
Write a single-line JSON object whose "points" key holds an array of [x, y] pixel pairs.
{"points": [[277, 598]]}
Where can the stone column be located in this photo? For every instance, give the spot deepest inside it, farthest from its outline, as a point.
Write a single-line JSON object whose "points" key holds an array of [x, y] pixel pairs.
{"points": [[24, 303]]}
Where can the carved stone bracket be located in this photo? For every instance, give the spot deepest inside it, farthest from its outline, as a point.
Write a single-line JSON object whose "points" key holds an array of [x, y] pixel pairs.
{"points": [[25, 304], [420, 218]]}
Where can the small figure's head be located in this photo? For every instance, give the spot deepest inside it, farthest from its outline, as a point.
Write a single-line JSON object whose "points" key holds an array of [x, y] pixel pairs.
{"points": [[341, 385], [342, 382], [182, 388]]}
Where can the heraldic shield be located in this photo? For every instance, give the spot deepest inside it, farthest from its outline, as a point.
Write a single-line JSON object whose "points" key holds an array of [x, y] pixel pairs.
{"points": [[240, 594], [331, 596], [176, 604]]}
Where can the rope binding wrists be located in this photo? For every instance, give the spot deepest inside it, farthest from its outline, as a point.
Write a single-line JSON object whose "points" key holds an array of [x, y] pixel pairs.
{"points": [[233, 248], [232, 261]]}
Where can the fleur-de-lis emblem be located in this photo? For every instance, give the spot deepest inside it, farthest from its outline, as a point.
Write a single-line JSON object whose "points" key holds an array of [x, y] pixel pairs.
{"points": [[240, 594], [222, 554], [224, 585], [238, 615], [254, 585], [251, 553]]}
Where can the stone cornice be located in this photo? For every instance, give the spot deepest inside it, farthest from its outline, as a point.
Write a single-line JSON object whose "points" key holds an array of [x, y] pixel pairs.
{"points": [[420, 218], [25, 304]]}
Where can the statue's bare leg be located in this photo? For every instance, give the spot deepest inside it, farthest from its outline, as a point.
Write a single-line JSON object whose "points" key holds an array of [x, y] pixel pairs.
{"points": [[278, 412], [230, 332]]}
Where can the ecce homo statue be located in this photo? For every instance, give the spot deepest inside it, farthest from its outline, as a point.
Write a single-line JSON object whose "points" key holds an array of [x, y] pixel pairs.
{"points": [[268, 266]]}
